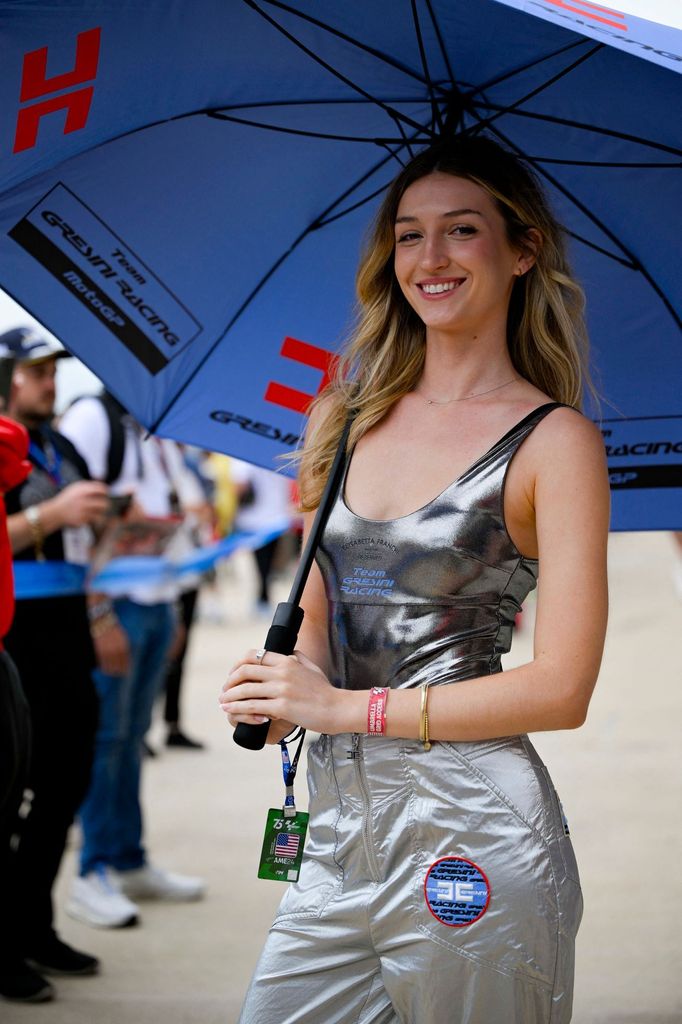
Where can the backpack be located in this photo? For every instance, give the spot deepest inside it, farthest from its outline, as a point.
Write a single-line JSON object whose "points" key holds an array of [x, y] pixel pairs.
{"points": [[117, 438], [115, 413]]}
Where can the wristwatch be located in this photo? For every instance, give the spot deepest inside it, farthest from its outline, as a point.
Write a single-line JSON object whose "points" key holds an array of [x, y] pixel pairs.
{"points": [[35, 523]]}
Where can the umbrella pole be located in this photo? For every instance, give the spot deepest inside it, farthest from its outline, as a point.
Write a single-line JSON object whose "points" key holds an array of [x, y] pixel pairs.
{"points": [[286, 622]]}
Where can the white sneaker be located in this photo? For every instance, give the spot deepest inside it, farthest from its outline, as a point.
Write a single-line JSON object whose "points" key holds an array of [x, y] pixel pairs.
{"points": [[152, 883], [97, 900]]}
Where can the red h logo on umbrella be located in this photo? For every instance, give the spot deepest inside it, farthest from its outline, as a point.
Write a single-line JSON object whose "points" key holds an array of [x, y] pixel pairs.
{"points": [[309, 355], [596, 12], [35, 83]]}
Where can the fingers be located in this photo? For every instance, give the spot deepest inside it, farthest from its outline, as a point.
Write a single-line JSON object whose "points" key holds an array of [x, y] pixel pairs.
{"points": [[89, 488], [268, 658], [248, 690], [254, 680], [247, 672], [234, 720], [254, 711], [252, 702]]}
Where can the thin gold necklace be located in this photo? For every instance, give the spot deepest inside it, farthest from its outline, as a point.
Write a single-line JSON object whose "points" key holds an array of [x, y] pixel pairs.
{"points": [[449, 401]]}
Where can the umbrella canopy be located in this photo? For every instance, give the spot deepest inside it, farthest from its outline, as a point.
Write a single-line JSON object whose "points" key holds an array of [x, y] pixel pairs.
{"points": [[184, 190]]}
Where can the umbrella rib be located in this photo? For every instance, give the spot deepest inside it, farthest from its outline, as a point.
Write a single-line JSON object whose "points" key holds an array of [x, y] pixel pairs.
{"points": [[266, 104], [636, 263], [525, 67], [441, 41], [392, 63], [313, 226], [550, 119], [546, 85], [601, 163], [328, 67], [436, 119], [355, 206], [379, 141], [408, 142], [599, 248]]}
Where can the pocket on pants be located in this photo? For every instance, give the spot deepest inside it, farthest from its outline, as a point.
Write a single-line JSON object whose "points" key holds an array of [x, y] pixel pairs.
{"points": [[504, 914], [561, 836]]}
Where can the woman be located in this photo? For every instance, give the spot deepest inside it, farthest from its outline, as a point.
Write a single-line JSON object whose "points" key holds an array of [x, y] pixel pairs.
{"points": [[439, 884]]}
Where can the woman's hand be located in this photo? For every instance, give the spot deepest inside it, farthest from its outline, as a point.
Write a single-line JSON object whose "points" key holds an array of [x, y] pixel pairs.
{"points": [[285, 689]]}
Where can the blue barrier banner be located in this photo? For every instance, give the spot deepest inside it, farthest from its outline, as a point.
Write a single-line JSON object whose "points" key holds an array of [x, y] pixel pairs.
{"points": [[63, 579], [48, 579]]}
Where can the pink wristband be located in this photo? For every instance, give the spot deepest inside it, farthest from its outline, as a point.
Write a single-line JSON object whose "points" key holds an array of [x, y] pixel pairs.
{"points": [[376, 710]]}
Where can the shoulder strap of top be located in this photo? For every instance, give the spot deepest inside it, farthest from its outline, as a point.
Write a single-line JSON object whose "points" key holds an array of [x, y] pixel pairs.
{"points": [[531, 420], [504, 450]]}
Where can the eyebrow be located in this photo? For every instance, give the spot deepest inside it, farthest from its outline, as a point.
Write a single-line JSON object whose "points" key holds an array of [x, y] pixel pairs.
{"points": [[450, 213]]}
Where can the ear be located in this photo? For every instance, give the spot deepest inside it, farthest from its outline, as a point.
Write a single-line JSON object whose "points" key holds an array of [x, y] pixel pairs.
{"points": [[527, 255]]}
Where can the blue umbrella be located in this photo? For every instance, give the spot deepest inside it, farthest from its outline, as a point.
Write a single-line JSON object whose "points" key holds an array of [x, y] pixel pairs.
{"points": [[184, 189]]}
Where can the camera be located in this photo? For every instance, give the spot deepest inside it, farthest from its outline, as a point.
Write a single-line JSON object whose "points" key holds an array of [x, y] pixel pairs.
{"points": [[119, 504]]}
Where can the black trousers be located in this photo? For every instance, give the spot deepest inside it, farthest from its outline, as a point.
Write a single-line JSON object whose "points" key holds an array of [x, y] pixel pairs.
{"points": [[53, 653], [15, 753], [188, 601], [264, 558], [15, 747]]}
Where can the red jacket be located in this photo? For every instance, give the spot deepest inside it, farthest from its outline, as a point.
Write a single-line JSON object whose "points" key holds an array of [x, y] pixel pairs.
{"points": [[14, 467]]}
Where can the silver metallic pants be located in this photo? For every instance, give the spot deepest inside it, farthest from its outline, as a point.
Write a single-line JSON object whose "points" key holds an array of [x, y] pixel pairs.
{"points": [[376, 931]]}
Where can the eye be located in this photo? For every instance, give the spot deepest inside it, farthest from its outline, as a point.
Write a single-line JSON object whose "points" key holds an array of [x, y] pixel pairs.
{"points": [[408, 236], [463, 230]]}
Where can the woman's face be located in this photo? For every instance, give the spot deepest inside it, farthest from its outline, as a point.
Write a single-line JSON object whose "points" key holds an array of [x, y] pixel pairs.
{"points": [[453, 261]]}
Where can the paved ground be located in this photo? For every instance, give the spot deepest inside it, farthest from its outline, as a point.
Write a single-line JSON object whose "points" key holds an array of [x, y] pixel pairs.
{"points": [[620, 778]]}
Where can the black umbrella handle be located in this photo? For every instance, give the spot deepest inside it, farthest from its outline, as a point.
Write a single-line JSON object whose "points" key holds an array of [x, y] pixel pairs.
{"points": [[283, 632], [281, 639]]}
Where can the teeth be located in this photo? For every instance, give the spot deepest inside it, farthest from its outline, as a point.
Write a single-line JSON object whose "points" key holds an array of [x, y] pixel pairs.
{"points": [[435, 289]]}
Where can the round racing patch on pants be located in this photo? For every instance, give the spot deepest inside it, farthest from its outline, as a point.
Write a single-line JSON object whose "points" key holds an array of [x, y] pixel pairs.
{"points": [[457, 892]]}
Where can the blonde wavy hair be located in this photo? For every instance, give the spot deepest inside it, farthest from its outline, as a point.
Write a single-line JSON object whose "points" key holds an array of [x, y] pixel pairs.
{"points": [[385, 356]]}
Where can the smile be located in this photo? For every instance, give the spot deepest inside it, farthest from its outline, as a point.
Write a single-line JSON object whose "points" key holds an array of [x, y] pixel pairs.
{"points": [[433, 288]]}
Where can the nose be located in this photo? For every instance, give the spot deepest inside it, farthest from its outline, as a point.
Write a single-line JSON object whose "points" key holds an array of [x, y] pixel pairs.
{"points": [[434, 254]]}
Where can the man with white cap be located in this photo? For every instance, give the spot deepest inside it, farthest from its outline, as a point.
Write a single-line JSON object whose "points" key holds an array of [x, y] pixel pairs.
{"points": [[114, 860]]}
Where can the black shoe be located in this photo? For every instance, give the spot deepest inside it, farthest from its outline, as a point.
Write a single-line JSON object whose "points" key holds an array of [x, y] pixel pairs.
{"points": [[22, 984], [55, 957], [179, 739]]}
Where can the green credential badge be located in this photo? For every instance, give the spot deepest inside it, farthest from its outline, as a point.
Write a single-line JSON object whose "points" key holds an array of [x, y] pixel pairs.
{"points": [[282, 851]]}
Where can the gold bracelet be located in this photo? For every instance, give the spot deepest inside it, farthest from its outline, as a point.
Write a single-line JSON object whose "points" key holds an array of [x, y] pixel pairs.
{"points": [[102, 625], [34, 521], [424, 717]]}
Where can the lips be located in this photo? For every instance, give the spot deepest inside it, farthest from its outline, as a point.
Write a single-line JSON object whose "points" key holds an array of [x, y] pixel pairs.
{"points": [[436, 287]]}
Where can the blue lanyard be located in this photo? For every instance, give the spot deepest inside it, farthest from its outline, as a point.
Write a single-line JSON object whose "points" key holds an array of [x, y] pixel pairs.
{"points": [[289, 769], [49, 460]]}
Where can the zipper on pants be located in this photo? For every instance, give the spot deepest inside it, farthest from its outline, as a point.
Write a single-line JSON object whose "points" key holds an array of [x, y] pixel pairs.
{"points": [[355, 754]]}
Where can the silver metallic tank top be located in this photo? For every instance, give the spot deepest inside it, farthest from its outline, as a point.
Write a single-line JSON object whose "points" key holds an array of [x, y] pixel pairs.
{"points": [[431, 596]]}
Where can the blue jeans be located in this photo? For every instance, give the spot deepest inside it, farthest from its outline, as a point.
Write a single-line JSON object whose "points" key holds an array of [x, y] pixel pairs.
{"points": [[111, 816]]}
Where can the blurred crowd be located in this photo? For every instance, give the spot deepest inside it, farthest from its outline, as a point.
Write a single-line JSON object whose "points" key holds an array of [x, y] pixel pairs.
{"points": [[82, 665]]}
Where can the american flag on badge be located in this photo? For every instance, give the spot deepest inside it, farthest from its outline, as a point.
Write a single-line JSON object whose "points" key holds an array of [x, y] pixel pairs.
{"points": [[287, 845]]}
